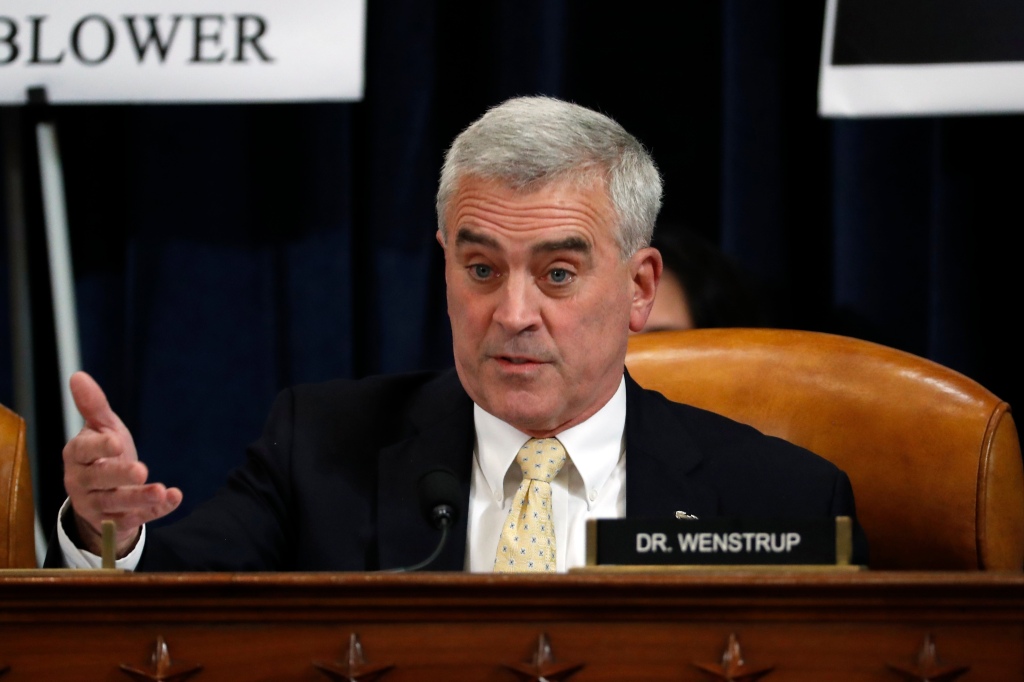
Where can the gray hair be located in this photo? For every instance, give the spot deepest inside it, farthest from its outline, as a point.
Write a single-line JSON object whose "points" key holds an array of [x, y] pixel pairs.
{"points": [[527, 143]]}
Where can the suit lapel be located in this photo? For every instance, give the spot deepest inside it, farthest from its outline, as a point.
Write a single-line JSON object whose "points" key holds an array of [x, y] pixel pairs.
{"points": [[663, 461], [441, 436], [663, 470]]}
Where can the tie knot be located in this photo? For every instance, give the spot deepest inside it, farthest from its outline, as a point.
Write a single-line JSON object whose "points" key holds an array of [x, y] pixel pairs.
{"points": [[541, 459]]}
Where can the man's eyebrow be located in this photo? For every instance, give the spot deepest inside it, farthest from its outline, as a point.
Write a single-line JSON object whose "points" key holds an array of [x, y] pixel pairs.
{"points": [[468, 236], [577, 244]]}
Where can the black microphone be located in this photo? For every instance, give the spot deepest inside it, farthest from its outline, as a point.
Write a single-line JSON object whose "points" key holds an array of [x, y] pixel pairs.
{"points": [[439, 499]]}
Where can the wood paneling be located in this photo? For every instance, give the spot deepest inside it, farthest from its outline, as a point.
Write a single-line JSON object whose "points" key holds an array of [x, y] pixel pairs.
{"points": [[806, 626]]}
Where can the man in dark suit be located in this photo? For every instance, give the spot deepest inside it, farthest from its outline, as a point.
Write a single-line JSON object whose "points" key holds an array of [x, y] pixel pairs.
{"points": [[545, 213]]}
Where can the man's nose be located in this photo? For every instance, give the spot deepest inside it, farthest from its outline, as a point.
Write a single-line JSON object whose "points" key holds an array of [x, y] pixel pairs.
{"points": [[518, 307]]}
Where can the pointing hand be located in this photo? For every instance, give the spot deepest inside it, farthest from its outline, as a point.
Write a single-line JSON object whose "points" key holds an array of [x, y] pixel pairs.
{"points": [[103, 475]]}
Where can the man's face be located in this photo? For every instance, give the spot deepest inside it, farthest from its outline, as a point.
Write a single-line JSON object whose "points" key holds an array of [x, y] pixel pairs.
{"points": [[541, 301]]}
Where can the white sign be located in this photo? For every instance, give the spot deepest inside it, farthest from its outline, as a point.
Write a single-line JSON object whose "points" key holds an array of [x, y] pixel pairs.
{"points": [[115, 51], [921, 57]]}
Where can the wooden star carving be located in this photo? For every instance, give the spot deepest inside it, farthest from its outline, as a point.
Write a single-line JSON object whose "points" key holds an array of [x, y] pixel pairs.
{"points": [[161, 667], [733, 668], [542, 666], [354, 668], [929, 668]]}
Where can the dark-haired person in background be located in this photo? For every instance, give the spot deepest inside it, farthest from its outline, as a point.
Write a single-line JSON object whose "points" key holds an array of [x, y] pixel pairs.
{"points": [[700, 286]]}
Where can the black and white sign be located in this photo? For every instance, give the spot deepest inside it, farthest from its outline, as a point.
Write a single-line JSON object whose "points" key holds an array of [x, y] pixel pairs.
{"points": [[108, 51], [723, 541], [918, 57]]}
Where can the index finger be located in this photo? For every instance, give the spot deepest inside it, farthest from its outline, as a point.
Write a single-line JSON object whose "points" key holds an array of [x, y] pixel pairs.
{"points": [[92, 402]]}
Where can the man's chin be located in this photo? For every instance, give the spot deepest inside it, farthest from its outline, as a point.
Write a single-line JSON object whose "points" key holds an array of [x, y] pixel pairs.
{"points": [[525, 411]]}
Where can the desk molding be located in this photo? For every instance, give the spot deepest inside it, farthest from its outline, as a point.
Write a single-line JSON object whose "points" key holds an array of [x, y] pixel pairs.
{"points": [[453, 626]]}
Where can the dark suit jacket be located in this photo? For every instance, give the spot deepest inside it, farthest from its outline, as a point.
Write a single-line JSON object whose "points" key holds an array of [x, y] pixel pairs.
{"points": [[332, 483]]}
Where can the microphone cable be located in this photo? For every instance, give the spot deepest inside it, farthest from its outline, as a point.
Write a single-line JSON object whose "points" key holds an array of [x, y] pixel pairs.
{"points": [[439, 499]]}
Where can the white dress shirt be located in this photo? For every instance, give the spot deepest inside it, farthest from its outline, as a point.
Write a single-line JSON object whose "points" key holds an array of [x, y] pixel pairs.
{"points": [[591, 484], [76, 557]]}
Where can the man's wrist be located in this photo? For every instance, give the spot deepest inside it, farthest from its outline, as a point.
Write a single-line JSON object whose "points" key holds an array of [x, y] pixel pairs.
{"points": [[84, 536], [74, 553]]}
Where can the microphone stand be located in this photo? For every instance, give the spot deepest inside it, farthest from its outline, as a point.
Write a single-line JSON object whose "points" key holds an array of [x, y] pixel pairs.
{"points": [[442, 516]]}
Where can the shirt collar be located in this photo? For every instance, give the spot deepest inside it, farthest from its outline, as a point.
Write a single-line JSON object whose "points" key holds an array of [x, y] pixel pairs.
{"points": [[593, 446]]}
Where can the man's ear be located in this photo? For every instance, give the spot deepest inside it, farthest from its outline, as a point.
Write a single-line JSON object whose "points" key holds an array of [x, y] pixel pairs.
{"points": [[440, 238], [645, 268]]}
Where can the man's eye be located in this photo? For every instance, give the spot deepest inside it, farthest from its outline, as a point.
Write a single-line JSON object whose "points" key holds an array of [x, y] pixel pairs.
{"points": [[560, 276], [481, 271]]}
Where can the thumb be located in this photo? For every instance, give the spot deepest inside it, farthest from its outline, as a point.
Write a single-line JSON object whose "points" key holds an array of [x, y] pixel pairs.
{"points": [[92, 402]]}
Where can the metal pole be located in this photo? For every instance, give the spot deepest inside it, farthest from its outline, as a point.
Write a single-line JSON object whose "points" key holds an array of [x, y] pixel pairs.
{"points": [[62, 282]]}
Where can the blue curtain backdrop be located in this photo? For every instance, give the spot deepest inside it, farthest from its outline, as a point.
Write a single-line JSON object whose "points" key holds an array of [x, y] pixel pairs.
{"points": [[223, 252]]}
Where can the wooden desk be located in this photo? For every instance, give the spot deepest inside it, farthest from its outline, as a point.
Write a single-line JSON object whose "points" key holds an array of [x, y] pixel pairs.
{"points": [[635, 627]]}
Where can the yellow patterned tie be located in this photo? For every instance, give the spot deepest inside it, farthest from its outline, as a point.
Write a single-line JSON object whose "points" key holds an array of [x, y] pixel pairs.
{"points": [[527, 541]]}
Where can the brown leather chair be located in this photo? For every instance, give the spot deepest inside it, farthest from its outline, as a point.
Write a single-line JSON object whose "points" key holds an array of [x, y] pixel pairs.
{"points": [[933, 456], [17, 512]]}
